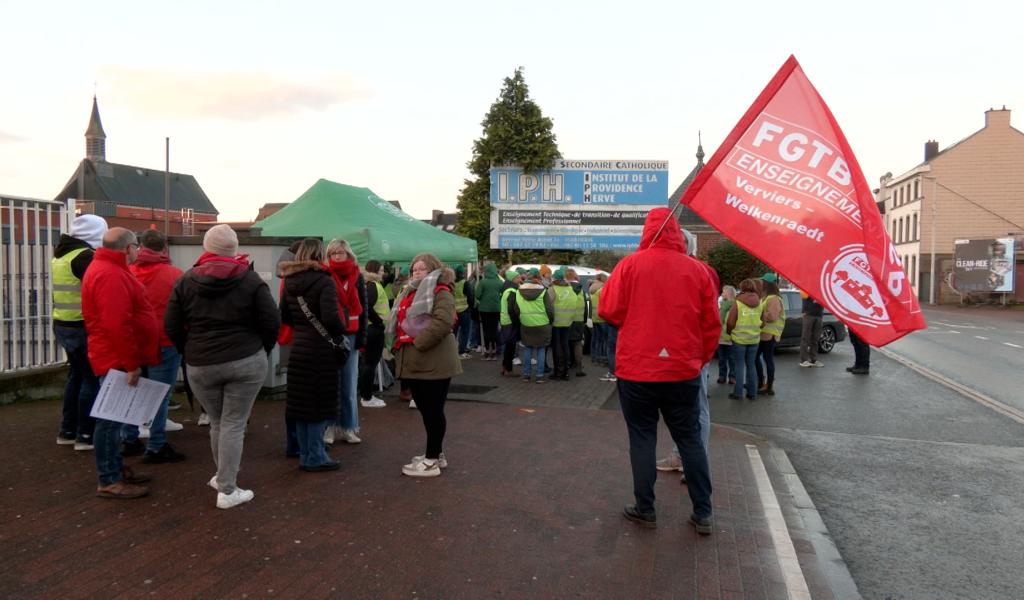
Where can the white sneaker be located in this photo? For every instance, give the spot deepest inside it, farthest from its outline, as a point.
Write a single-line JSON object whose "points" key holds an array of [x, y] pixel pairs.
{"points": [[806, 363], [412, 404], [465, 355], [349, 437], [609, 376], [173, 426], [670, 463], [329, 434], [817, 363], [442, 461], [239, 496], [83, 446], [373, 402], [517, 361], [143, 432], [204, 420], [213, 483], [422, 468]]}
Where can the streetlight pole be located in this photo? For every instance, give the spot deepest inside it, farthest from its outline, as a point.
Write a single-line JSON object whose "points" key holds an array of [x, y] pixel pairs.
{"points": [[935, 211]]}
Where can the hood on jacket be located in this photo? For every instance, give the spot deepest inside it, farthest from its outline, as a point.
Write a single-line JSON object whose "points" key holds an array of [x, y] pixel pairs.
{"points": [[490, 271], [148, 257], [68, 244], [148, 265], [300, 275], [217, 279], [531, 291], [670, 238], [371, 277], [749, 298]]}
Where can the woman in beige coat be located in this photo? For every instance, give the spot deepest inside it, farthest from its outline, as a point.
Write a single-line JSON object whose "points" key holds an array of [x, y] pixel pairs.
{"points": [[426, 353]]}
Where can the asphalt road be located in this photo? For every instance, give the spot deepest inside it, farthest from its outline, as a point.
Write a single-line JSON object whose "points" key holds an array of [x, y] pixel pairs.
{"points": [[919, 486], [982, 349]]}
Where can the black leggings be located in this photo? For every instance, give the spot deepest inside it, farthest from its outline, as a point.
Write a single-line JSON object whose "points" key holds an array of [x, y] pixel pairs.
{"points": [[369, 359], [490, 323], [430, 395], [766, 351], [560, 349]]}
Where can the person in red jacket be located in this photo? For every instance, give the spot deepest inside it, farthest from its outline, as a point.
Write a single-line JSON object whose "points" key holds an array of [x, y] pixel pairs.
{"points": [[123, 335], [666, 334], [154, 270]]}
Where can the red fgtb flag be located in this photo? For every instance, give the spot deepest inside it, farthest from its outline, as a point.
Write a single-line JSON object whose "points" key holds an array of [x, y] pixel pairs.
{"points": [[786, 187]]}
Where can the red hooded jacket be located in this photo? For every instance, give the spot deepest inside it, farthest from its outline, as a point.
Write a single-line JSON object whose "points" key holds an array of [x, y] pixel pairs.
{"points": [[664, 304], [156, 273], [119, 320]]}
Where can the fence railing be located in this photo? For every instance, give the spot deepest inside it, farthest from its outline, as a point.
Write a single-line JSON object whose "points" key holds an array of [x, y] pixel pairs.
{"points": [[31, 229]]}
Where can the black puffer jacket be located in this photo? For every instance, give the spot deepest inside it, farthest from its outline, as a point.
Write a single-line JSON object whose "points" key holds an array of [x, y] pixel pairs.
{"points": [[221, 312], [312, 370]]}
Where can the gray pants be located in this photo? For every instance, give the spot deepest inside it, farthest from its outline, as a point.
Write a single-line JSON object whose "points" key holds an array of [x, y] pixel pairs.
{"points": [[227, 392], [809, 339]]}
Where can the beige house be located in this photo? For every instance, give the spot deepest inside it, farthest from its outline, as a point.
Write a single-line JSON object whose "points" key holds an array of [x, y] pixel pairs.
{"points": [[973, 189]]}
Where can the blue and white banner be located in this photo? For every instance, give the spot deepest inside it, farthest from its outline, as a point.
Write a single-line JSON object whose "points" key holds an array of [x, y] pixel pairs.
{"points": [[577, 205]]}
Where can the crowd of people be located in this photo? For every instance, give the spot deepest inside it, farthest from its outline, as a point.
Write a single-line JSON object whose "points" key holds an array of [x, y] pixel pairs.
{"points": [[120, 304]]}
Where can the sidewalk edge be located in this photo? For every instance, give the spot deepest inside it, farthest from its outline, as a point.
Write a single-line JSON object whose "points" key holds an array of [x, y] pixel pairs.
{"points": [[830, 560]]}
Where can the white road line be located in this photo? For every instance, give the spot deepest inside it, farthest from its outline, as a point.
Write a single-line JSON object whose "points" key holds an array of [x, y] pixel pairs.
{"points": [[954, 332], [1011, 345], [981, 337], [1001, 408], [792, 575]]}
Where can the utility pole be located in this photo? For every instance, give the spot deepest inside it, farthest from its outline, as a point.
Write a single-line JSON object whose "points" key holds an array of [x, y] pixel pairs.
{"points": [[167, 187], [935, 213]]}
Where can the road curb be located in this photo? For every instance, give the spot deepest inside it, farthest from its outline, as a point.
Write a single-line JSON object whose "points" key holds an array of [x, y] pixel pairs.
{"points": [[991, 403]]}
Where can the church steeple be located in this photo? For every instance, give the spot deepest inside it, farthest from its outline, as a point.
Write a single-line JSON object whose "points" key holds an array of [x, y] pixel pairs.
{"points": [[95, 138], [700, 152]]}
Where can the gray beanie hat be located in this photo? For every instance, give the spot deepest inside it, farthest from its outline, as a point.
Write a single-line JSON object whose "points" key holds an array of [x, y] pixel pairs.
{"points": [[221, 240], [89, 229], [691, 243]]}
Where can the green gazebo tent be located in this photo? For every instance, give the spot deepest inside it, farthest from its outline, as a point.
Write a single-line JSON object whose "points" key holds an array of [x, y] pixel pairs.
{"points": [[372, 226]]}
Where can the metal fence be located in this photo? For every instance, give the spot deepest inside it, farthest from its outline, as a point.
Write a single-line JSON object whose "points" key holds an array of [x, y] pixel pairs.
{"points": [[31, 230]]}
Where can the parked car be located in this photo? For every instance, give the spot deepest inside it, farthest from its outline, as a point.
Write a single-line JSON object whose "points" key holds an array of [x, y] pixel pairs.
{"points": [[832, 329]]}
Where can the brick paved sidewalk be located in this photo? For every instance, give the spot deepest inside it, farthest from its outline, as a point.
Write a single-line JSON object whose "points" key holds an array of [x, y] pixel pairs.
{"points": [[530, 508]]}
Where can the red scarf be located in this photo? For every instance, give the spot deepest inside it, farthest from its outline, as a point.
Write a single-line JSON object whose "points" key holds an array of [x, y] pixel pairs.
{"points": [[221, 267], [345, 275], [401, 337]]}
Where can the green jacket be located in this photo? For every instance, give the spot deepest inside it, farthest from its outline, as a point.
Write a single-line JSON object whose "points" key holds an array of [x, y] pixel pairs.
{"points": [[488, 291]]}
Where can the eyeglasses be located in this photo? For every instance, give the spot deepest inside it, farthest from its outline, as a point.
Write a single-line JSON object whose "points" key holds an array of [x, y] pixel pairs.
{"points": [[134, 245]]}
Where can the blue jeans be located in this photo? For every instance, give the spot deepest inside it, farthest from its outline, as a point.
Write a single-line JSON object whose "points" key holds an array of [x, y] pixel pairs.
{"points": [[528, 356], [746, 373], [81, 388], [107, 447], [726, 362], [678, 403], [474, 332], [612, 339], [165, 372], [766, 351], [462, 329], [348, 384], [597, 343], [291, 443], [310, 436]]}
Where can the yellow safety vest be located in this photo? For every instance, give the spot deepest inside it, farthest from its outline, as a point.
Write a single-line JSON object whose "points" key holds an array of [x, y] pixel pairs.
{"points": [[565, 305], [461, 302], [774, 328], [748, 324], [506, 318], [532, 313], [581, 307], [67, 289], [382, 307], [595, 301]]}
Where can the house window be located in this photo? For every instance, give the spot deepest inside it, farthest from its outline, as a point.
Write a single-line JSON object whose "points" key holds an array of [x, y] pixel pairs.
{"points": [[916, 238], [917, 189]]}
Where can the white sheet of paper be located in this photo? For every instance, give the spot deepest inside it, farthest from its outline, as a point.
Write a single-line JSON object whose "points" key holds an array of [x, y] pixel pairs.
{"points": [[117, 401]]}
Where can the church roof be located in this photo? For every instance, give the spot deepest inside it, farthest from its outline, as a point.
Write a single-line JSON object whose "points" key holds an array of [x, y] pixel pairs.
{"points": [[126, 185], [95, 129], [686, 217]]}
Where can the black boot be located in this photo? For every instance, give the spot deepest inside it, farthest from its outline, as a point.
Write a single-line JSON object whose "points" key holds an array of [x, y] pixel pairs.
{"points": [[768, 388]]}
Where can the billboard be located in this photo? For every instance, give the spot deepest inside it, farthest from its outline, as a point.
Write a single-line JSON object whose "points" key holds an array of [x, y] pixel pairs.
{"points": [[576, 205], [984, 265]]}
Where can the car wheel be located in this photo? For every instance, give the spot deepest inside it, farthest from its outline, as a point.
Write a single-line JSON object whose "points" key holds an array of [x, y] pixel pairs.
{"points": [[827, 341]]}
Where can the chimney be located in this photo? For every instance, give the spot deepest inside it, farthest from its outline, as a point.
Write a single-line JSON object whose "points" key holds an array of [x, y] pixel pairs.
{"points": [[931, 150], [995, 117]]}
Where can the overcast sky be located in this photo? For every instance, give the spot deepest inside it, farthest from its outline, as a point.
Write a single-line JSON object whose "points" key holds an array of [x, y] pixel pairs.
{"points": [[261, 99]]}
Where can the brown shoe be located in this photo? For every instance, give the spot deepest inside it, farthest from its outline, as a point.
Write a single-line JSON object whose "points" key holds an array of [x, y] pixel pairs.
{"points": [[122, 491], [130, 476]]}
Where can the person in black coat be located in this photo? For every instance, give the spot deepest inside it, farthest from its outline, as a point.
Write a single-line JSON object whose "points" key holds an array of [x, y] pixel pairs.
{"points": [[312, 369]]}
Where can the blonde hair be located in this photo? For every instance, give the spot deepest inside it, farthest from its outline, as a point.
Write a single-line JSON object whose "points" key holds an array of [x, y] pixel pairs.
{"points": [[310, 249], [337, 244], [748, 285], [429, 260]]}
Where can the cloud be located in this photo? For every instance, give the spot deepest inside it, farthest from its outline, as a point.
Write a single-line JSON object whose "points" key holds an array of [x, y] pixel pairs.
{"points": [[11, 138], [228, 95]]}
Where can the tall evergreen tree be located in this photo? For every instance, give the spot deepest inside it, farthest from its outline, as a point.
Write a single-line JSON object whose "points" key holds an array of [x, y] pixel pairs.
{"points": [[514, 131]]}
